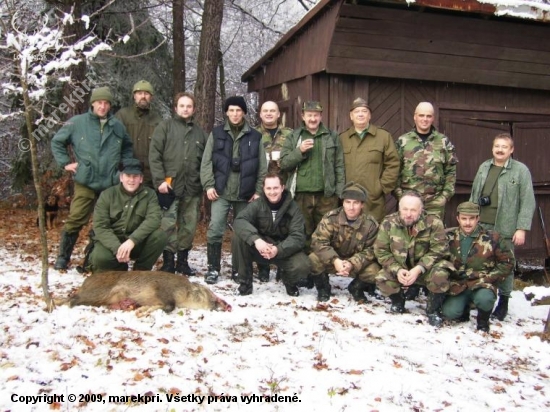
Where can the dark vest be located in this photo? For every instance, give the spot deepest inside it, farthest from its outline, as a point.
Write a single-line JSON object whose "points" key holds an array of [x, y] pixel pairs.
{"points": [[222, 154]]}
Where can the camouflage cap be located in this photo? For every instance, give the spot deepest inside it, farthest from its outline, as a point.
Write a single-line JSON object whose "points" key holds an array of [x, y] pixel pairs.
{"points": [[143, 86], [359, 102], [312, 106], [354, 191], [468, 208]]}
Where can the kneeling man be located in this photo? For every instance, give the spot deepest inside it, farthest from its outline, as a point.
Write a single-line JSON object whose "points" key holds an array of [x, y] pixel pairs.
{"points": [[482, 259], [271, 230]]}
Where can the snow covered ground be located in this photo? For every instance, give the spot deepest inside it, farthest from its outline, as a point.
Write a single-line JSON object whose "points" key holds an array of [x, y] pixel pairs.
{"points": [[341, 357]]}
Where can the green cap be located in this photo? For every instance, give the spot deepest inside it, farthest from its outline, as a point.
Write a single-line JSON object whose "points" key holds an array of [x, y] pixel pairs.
{"points": [[132, 167], [359, 102], [312, 106], [354, 191], [101, 93], [144, 86], [468, 208]]}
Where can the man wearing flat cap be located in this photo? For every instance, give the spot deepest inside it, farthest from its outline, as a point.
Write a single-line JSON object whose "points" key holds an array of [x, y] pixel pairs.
{"points": [[482, 259], [140, 121], [370, 158], [343, 244], [99, 142], [127, 224], [313, 157], [233, 168]]}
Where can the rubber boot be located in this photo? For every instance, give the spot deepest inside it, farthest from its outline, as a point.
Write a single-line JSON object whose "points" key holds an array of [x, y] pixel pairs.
{"points": [[372, 290], [483, 320], [263, 272], [306, 282], [66, 246], [214, 256], [279, 274], [501, 310], [322, 284], [168, 262], [245, 281], [397, 302], [292, 290], [433, 308], [412, 292], [182, 265], [357, 290]]}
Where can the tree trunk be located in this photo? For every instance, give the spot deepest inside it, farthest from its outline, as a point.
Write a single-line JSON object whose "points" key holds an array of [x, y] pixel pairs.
{"points": [[222, 76], [178, 39], [205, 88]]}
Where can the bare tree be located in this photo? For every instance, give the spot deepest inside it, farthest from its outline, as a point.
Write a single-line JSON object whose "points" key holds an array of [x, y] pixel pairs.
{"points": [[178, 39]]}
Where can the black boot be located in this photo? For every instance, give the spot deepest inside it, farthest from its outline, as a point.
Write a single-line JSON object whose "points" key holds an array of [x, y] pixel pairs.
{"points": [[279, 274], [433, 308], [183, 265], [465, 317], [357, 290], [397, 302], [66, 247], [263, 272], [306, 282], [214, 256], [483, 320], [245, 281], [292, 290], [168, 262], [501, 310], [373, 291], [322, 284]]}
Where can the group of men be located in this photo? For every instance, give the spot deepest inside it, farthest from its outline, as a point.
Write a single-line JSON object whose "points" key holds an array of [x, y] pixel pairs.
{"points": [[284, 187]]}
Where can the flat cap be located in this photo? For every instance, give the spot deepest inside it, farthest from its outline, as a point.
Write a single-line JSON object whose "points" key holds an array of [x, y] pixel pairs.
{"points": [[468, 208], [359, 102], [132, 167], [354, 191], [312, 106]]}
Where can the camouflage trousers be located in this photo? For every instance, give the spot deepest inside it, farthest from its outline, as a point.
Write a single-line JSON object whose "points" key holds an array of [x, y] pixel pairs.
{"points": [[180, 223], [81, 208], [432, 209], [314, 206], [483, 298], [367, 275], [436, 280], [507, 285]]}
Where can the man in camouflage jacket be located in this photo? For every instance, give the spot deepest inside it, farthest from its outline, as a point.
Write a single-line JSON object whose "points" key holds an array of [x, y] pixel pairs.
{"points": [[428, 162], [342, 244], [482, 258], [412, 249]]}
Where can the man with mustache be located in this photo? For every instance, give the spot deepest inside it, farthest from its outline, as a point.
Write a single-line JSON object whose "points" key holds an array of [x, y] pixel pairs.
{"points": [[504, 191]]}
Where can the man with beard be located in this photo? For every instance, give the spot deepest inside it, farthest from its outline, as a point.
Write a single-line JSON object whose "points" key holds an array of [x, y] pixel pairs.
{"points": [[140, 122], [482, 259], [175, 158], [412, 249], [504, 191], [271, 230]]}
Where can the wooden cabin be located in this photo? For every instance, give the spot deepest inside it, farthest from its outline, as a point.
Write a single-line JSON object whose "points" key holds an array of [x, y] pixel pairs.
{"points": [[484, 75]]}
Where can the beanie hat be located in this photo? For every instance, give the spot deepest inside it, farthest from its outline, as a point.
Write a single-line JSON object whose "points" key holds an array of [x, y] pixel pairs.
{"points": [[235, 101], [143, 86], [468, 208], [132, 167], [359, 102], [354, 191], [101, 93]]}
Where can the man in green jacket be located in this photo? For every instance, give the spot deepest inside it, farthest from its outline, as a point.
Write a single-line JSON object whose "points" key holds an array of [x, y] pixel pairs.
{"points": [[313, 156], [99, 142], [271, 230], [504, 191], [175, 158], [127, 224], [140, 121]]}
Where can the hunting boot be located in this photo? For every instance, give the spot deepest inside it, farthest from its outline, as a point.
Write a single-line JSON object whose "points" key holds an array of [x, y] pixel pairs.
{"points": [[263, 272], [66, 247], [291, 289], [279, 274], [306, 282], [322, 284], [182, 265], [465, 317], [412, 292], [214, 256], [245, 281], [373, 291], [483, 320], [433, 308], [357, 290], [501, 310], [397, 302], [168, 262]]}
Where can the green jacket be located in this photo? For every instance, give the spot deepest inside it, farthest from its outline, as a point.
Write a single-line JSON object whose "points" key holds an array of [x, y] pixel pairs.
{"points": [[140, 125], [176, 151], [373, 163], [333, 159], [489, 261], [335, 238], [98, 152], [119, 216], [515, 195], [428, 168], [287, 231]]}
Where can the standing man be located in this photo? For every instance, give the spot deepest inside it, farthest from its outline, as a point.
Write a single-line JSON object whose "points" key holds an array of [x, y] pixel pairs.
{"points": [[232, 172], [343, 244], [412, 248], [428, 162], [313, 156], [99, 142], [504, 191], [370, 158], [127, 224], [273, 136], [140, 122], [271, 230], [482, 259], [175, 158]]}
